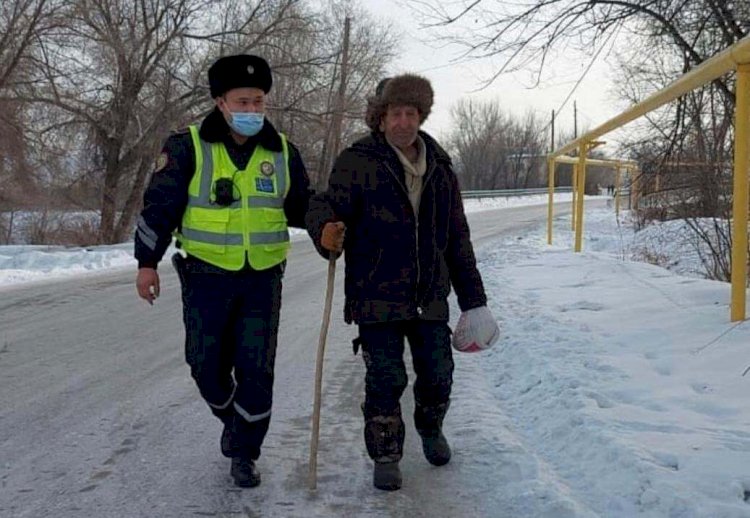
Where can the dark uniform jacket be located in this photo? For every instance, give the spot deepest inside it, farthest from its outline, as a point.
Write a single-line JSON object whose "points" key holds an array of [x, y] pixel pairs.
{"points": [[166, 197], [398, 267]]}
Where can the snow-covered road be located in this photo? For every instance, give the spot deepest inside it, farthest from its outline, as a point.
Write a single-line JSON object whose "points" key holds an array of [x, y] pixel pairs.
{"points": [[618, 389], [101, 419]]}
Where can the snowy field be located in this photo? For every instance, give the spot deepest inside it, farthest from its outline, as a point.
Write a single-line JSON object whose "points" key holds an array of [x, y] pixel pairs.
{"points": [[625, 382], [26, 263]]}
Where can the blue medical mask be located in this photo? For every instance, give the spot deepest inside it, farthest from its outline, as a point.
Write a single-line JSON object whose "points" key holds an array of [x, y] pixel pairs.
{"points": [[247, 124]]}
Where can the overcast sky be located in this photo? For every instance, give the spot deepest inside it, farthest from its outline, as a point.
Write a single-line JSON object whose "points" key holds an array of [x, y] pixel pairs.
{"points": [[451, 82]]}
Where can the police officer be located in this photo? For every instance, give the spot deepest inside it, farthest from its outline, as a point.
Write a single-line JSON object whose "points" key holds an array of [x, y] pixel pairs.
{"points": [[228, 190]]}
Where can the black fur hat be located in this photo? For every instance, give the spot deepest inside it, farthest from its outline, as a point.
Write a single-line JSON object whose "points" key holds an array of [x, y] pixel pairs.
{"points": [[242, 70], [406, 89]]}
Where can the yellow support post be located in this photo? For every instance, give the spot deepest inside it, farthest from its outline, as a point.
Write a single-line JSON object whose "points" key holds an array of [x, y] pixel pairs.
{"points": [[740, 188], [580, 187], [550, 197], [574, 191]]}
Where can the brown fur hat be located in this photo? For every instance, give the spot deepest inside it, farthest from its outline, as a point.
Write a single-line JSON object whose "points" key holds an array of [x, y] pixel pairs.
{"points": [[406, 89]]}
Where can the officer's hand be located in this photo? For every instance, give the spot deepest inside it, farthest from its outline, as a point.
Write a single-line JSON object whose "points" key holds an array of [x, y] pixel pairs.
{"points": [[147, 284], [332, 238]]}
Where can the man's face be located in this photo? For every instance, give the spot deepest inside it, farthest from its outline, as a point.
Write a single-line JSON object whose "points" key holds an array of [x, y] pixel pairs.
{"points": [[246, 99], [400, 125]]}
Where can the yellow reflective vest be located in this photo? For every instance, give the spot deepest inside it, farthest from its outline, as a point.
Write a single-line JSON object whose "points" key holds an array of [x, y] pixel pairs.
{"points": [[253, 226]]}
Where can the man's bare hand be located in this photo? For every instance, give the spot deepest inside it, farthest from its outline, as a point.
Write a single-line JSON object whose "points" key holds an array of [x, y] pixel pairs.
{"points": [[147, 284]]}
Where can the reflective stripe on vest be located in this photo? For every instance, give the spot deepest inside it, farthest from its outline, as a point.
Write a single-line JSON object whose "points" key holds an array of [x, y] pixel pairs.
{"points": [[254, 226]]}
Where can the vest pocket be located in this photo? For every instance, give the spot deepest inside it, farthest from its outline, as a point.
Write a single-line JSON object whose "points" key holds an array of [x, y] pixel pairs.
{"points": [[207, 230], [275, 217], [209, 216], [275, 240]]}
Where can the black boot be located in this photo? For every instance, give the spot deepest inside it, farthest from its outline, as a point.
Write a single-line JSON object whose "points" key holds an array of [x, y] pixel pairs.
{"points": [[429, 423], [436, 449], [387, 476], [244, 472], [384, 438]]}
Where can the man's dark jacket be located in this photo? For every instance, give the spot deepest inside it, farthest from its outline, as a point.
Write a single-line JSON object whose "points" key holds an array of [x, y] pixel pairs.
{"points": [[398, 267]]}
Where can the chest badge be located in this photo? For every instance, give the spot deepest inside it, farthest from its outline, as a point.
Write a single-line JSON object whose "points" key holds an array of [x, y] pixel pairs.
{"points": [[264, 185], [266, 168]]}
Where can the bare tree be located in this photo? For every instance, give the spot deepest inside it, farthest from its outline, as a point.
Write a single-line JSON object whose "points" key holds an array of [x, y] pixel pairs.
{"points": [[304, 98], [686, 146], [526, 35], [124, 73], [22, 22], [105, 81], [685, 151], [495, 150]]}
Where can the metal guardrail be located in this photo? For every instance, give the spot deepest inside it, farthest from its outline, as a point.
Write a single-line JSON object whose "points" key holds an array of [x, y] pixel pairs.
{"points": [[506, 193]]}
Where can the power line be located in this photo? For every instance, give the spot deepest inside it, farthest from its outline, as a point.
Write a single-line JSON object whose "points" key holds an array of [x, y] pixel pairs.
{"points": [[584, 74]]}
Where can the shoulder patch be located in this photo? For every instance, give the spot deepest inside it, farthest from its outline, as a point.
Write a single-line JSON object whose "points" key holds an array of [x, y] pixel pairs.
{"points": [[161, 162]]}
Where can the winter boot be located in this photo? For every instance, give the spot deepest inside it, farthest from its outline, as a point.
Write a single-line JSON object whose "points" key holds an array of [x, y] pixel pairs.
{"points": [[436, 449], [244, 472], [228, 442], [387, 476], [384, 438], [429, 422]]}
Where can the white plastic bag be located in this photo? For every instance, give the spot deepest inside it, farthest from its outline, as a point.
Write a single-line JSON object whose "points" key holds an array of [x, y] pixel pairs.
{"points": [[476, 331]]}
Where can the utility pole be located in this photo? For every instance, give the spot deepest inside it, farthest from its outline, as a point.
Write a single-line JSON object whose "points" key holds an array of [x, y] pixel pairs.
{"points": [[332, 140], [341, 100], [575, 120]]}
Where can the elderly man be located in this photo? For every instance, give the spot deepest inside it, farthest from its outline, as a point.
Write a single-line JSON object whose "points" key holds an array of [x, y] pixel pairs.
{"points": [[393, 205]]}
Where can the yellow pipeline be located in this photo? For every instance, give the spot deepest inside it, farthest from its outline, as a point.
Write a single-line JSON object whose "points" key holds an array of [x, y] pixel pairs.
{"points": [[740, 201], [580, 188], [604, 162], [574, 197], [550, 197], [720, 64]]}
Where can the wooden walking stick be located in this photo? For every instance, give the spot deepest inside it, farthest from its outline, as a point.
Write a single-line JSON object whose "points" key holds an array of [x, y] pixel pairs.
{"points": [[313, 479]]}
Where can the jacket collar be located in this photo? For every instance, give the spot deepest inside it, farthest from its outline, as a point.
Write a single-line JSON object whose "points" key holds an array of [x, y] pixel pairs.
{"points": [[215, 129], [433, 150]]}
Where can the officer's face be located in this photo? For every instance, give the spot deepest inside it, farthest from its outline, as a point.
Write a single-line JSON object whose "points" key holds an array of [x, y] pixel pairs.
{"points": [[400, 125], [242, 100]]}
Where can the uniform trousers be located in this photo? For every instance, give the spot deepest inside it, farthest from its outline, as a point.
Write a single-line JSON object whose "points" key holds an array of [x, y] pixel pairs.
{"points": [[231, 326]]}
